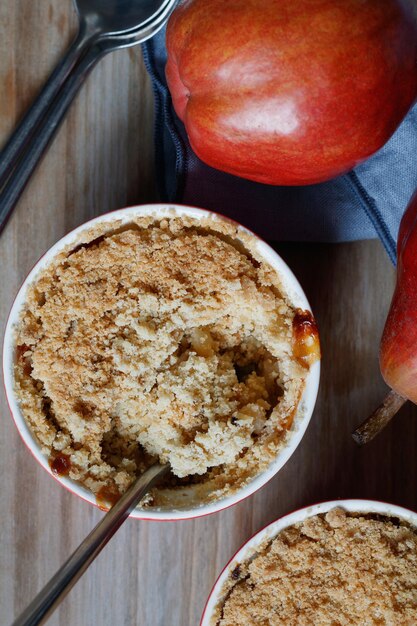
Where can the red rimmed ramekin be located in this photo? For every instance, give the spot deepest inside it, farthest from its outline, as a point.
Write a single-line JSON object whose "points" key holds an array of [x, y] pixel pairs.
{"points": [[250, 547], [123, 217]]}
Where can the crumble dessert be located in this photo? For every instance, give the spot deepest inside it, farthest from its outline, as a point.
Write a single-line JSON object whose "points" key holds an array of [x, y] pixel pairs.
{"points": [[165, 339], [336, 568]]}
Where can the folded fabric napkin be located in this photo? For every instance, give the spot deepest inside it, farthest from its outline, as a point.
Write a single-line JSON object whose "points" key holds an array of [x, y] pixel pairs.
{"points": [[367, 202]]}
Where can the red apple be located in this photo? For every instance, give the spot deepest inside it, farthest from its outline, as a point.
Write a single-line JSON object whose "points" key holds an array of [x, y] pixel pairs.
{"points": [[291, 92]]}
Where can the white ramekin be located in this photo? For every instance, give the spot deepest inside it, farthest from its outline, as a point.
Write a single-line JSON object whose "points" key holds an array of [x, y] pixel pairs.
{"points": [[272, 530], [123, 216]]}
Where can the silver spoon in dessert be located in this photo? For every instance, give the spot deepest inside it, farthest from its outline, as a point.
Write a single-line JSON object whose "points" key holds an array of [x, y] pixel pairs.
{"points": [[57, 588]]}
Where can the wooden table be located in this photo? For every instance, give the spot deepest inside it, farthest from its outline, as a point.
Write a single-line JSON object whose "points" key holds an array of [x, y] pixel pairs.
{"points": [[159, 574]]}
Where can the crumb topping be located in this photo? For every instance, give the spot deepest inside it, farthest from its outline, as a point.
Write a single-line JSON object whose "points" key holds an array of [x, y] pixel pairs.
{"points": [[330, 569], [163, 340]]}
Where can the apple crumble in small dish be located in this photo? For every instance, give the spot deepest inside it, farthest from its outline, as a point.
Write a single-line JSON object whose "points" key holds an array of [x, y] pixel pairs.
{"points": [[162, 333], [345, 562]]}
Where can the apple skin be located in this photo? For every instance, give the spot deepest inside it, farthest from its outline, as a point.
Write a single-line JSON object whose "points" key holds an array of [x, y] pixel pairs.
{"points": [[291, 92], [398, 353]]}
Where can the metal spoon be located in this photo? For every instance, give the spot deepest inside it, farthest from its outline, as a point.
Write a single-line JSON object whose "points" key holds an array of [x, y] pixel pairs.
{"points": [[57, 588], [104, 25], [117, 16]]}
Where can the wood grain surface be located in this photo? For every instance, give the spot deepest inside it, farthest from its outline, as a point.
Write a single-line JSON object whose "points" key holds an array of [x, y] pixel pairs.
{"points": [[159, 574]]}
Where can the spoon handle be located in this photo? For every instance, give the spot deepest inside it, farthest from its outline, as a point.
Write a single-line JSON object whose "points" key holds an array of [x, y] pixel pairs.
{"points": [[31, 142], [56, 589], [15, 145]]}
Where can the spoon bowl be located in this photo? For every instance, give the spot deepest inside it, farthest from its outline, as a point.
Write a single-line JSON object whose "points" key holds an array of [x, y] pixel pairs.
{"points": [[115, 17], [104, 25]]}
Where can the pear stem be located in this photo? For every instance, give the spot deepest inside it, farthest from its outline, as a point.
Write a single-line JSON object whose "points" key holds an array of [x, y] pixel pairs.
{"points": [[379, 418]]}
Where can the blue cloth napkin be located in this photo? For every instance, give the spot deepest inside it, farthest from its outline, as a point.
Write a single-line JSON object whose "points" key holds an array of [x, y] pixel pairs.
{"points": [[367, 202]]}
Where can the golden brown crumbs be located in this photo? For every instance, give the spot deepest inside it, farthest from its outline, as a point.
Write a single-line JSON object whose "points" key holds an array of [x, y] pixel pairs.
{"points": [[333, 569], [167, 340]]}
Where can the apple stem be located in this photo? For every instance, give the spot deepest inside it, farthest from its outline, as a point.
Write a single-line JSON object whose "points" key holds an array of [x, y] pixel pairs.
{"points": [[379, 418]]}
